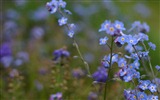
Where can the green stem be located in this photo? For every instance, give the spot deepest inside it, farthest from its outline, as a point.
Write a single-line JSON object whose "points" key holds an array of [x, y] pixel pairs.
{"points": [[141, 59], [110, 64], [85, 63]]}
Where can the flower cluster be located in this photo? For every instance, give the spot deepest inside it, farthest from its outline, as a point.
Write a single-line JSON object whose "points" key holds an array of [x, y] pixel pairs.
{"points": [[59, 6], [138, 52]]}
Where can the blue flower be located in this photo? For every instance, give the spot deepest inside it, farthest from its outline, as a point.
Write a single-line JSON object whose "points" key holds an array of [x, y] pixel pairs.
{"points": [[111, 30], [132, 40], [57, 96], [5, 50], [52, 6], [62, 21], [119, 25], [127, 78], [122, 62], [103, 41], [144, 84], [105, 25], [100, 75], [152, 97], [135, 65], [142, 96], [122, 39], [152, 87], [62, 3], [142, 37], [158, 68], [152, 46], [70, 34]]}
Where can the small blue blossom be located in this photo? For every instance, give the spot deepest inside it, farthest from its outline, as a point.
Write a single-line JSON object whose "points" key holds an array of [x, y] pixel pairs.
{"points": [[152, 46], [142, 37], [132, 40], [142, 96], [57, 96], [119, 25], [62, 3], [144, 84], [152, 87], [127, 78], [122, 39], [157, 67], [100, 75], [122, 62], [103, 41], [152, 97], [62, 21], [105, 25], [52, 6], [70, 34], [135, 65], [111, 30]]}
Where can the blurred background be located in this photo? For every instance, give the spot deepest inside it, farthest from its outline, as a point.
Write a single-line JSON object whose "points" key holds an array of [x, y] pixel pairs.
{"points": [[29, 35]]}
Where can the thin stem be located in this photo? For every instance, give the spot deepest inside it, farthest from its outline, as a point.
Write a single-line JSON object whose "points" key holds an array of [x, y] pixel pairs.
{"points": [[85, 63], [110, 64], [77, 48], [142, 61], [150, 65]]}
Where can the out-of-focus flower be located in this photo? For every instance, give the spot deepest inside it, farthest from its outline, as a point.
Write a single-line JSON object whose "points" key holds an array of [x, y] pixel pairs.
{"points": [[103, 41], [78, 73], [152, 46], [60, 53], [57, 96], [39, 14], [37, 32], [100, 75], [158, 68], [14, 73], [92, 96]]}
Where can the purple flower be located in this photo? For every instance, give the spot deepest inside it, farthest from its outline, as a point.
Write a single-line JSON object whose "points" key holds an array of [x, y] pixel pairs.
{"points": [[100, 75], [152, 46], [62, 21], [103, 41], [5, 50], [60, 53]]}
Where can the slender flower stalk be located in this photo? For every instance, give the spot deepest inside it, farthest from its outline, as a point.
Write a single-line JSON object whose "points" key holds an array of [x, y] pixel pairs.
{"points": [[110, 64]]}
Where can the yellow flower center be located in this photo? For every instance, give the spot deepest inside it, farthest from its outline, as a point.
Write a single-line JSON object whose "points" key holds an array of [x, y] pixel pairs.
{"points": [[122, 39], [111, 29]]}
